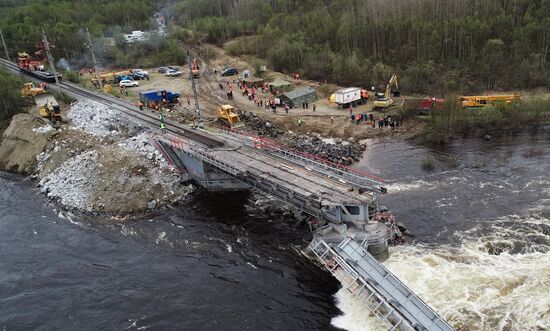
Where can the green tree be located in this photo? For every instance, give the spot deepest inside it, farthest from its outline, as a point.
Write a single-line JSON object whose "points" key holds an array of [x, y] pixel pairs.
{"points": [[11, 101]]}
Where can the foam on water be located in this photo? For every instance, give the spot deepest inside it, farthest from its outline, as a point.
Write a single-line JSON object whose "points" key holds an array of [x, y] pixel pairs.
{"points": [[355, 315], [499, 279], [414, 185]]}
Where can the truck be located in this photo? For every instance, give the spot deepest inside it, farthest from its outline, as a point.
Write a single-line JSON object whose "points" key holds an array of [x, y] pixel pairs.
{"points": [[351, 96], [488, 101], [154, 98]]}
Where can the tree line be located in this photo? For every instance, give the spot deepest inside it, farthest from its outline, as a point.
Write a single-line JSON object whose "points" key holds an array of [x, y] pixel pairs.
{"points": [[434, 45], [64, 22]]}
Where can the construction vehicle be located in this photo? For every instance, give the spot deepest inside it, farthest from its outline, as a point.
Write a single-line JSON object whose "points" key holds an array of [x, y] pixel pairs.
{"points": [[488, 101], [194, 68], [422, 106], [48, 108], [229, 117], [385, 101], [30, 90], [155, 98], [112, 77], [35, 67], [349, 96]]}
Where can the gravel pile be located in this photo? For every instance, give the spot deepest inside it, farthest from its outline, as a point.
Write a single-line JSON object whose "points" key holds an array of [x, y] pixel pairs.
{"points": [[334, 150], [141, 144], [99, 120], [259, 125], [72, 182]]}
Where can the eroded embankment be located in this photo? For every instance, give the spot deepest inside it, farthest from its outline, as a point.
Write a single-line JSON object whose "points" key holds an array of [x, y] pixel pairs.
{"points": [[100, 161]]}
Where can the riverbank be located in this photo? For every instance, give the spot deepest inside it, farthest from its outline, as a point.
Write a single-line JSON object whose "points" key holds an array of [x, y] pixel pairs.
{"points": [[98, 162]]}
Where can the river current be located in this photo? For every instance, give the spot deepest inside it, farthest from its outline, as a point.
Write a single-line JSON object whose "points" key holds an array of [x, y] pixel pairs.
{"points": [[481, 255]]}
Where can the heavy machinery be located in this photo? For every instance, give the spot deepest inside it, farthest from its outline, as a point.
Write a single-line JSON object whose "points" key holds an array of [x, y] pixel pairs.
{"points": [[30, 90], [488, 101], [35, 67], [48, 108], [154, 98], [229, 117], [112, 77], [384, 102], [350, 96], [195, 68]]}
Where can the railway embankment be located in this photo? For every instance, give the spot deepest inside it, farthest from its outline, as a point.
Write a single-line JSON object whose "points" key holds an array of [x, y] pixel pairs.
{"points": [[99, 161]]}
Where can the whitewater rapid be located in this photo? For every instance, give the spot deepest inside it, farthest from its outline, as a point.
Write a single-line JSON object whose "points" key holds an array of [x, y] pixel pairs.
{"points": [[498, 279]]}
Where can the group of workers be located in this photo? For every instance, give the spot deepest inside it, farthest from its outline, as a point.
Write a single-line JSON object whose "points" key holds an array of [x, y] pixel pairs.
{"points": [[386, 121]]}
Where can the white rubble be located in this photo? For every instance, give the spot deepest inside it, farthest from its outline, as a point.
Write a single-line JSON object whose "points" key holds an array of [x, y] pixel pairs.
{"points": [[43, 129], [99, 120], [141, 144], [72, 181]]}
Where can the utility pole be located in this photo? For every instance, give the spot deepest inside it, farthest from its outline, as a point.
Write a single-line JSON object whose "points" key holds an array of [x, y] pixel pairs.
{"points": [[5, 48], [93, 56], [50, 60], [197, 108]]}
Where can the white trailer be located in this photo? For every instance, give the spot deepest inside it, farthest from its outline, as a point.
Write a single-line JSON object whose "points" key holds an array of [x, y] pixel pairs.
{"points": [[346, 96]]}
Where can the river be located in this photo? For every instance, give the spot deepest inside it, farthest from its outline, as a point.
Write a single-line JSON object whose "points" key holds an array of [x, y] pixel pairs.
{"points": [[481, 255]]}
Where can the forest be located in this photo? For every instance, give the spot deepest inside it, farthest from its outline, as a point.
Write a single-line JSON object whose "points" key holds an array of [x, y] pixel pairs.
{"points": [[65, 22], [435, 46]]}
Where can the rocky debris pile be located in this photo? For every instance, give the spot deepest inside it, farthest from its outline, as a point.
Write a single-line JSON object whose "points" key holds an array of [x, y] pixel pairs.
{"points": [[73, 181], [114, 180], [259, 125], [141, 144], [334, 150], [100, 120]]}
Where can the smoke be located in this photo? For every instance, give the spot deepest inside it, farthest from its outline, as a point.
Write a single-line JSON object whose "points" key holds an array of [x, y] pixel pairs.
{"points": [[63, 63]]}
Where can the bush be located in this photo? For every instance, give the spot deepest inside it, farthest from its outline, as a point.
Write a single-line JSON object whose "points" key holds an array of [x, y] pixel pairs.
{"points": [[65, 98], [71, 76]]}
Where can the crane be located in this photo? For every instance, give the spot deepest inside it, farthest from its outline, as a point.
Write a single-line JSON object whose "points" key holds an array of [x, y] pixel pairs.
{"points": [[194, 88]]}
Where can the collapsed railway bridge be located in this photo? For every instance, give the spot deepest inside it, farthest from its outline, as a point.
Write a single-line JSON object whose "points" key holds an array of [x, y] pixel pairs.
{"points": [[338, 196]]}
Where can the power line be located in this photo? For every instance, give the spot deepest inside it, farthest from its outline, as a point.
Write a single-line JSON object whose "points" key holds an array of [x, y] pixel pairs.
{"points": [[5, 48], [50, 59]]}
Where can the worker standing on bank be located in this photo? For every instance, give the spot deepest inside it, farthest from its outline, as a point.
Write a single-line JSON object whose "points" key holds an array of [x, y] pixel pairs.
{"points": [[162, 127], [161, 118], [299, 121], [140, 105]]}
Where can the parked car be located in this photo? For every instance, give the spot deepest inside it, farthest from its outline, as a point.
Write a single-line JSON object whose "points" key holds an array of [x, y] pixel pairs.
{"points": [[163, 70], [173, 68], [128, 83], [229, 72], [173, 73], [140, 74]]}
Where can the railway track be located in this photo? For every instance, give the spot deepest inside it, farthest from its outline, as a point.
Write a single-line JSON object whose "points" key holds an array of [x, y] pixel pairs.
{"points": [[144, 116]]}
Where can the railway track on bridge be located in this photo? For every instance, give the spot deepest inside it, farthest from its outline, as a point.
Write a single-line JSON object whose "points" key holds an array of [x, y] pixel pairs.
{"points": [[130, 110]]}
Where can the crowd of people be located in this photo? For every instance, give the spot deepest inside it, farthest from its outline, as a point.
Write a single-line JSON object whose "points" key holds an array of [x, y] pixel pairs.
{"points": [[381, 122]]}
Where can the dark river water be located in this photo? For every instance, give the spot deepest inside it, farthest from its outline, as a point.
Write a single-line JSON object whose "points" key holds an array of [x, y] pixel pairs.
{"points": [[482, 249]]}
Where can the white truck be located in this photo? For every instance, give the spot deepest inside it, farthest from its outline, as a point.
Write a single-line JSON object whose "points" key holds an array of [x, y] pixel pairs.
{"points": [[350, 96]]}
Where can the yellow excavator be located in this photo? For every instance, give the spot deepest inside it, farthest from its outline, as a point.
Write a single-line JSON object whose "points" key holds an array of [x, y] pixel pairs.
{"points": [[229, 117], [385, 101], [30, 90]]}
